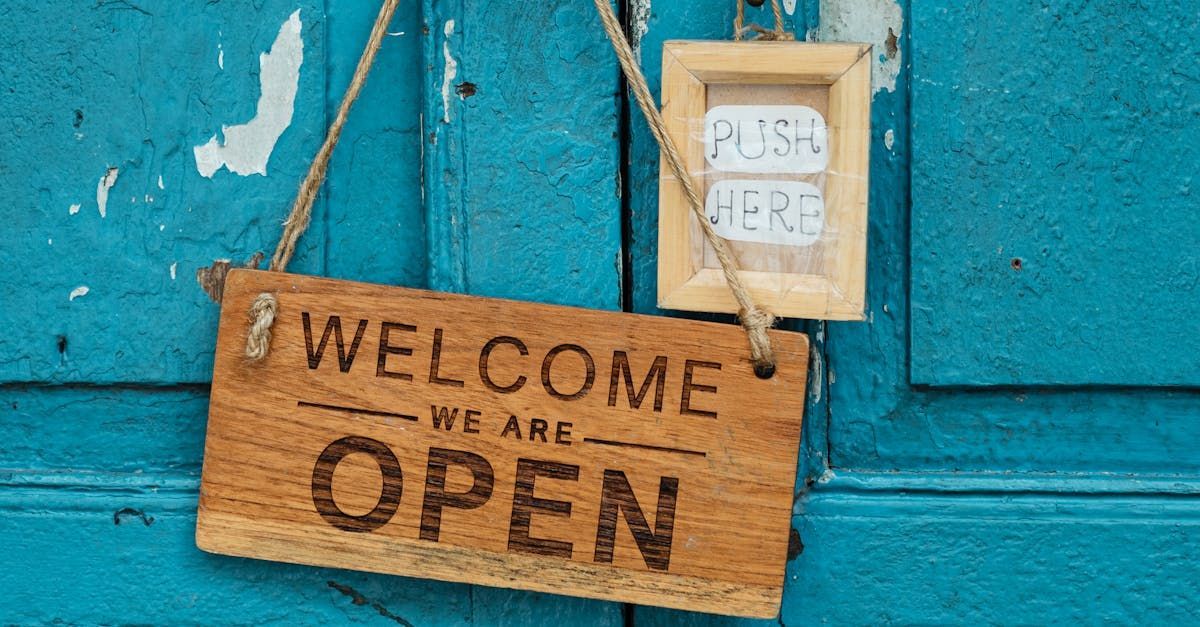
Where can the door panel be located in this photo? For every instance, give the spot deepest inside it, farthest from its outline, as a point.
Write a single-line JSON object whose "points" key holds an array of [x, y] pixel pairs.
{"points": [[954, 503], [1054, 238], [115, 85], [99, 471], [521, 161]]}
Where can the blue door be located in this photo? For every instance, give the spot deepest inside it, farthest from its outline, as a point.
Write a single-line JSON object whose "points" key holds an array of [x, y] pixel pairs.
{"points": [[1010, 436]]}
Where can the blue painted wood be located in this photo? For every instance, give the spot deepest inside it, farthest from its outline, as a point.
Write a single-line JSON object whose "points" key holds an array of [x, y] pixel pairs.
{"points": [[73, 457], [375, 230], [107, 558], [953, 505], [135, 87], [880, 422], [1053, 212], [522, 154]]}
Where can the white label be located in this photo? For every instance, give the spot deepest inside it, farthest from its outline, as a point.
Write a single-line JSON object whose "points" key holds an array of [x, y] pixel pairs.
{"points": [[766, 139], [791, 213]]}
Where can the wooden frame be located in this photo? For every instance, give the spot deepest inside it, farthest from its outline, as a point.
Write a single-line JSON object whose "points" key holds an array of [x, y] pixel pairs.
{"points": [[689, 67]]}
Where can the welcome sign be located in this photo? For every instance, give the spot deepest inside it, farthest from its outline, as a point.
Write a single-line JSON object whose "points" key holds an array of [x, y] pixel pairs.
{"points": [[588, 453]]}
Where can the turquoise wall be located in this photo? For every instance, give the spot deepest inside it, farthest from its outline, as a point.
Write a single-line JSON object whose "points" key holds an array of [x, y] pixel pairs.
{"points": [[1010, 437]]}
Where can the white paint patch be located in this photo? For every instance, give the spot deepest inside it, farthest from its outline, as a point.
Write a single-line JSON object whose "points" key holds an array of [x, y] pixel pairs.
{"points": [[106, 182], [639, 20], [50, 242], [82, 290], [248, 147], [448, 72], [173, 267], [789, 6], [162, 227], [160, 182], [766, 139], [74, 209], [867, 21], [889, 138], [220, 56], [788, 213]]}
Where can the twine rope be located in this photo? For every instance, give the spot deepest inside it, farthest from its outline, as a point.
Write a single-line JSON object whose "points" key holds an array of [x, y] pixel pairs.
{"points": [[755, 320], [262, 311], [741, 29]]}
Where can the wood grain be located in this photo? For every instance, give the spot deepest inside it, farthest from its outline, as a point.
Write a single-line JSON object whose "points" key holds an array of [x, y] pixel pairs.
{"points": [[643, 444]]}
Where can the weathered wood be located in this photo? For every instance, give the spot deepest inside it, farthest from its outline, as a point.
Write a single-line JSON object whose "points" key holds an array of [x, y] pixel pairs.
{"points": [[547, 448]]}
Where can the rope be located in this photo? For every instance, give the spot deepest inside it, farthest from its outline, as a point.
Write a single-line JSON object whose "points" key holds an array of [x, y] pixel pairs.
{"points": [[754, 319], [262, 312], [740, 30]]}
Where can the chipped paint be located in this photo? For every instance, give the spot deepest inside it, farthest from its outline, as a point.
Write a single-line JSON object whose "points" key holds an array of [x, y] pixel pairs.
{"points": [[816, 370], [220, 56], [106, 182], [448, 72], [160, 182], [639, 23], [248, 147], [877, 22], [789, 6], [74, 209], [889, 138], [174, 267], [82, 290]]}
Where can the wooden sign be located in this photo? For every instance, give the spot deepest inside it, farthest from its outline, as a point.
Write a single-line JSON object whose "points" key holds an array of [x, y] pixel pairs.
{"points": [[775, 137], [588, 453]]}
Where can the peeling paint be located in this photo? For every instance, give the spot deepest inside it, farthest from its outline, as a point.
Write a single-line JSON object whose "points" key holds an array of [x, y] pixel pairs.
{"points": [[82, 290], [220, 56], [74, 209], [248, 147], [449, 72], [106, 182], [817, 369], [876, 22], [789, 6], [889, 138], [174, 266], [639, 23], [160, 182]]}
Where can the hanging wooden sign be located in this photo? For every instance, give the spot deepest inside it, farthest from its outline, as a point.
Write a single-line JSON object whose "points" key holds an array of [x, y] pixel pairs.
{"points": [[588, 453], [775, 138]]}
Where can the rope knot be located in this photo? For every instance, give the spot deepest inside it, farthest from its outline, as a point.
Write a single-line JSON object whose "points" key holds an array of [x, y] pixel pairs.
{"points": [[757, 321], [262, 316], [741, 29]]}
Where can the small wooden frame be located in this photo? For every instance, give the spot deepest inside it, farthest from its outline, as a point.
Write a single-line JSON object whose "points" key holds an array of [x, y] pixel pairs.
{"points": [[824, 278]]}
